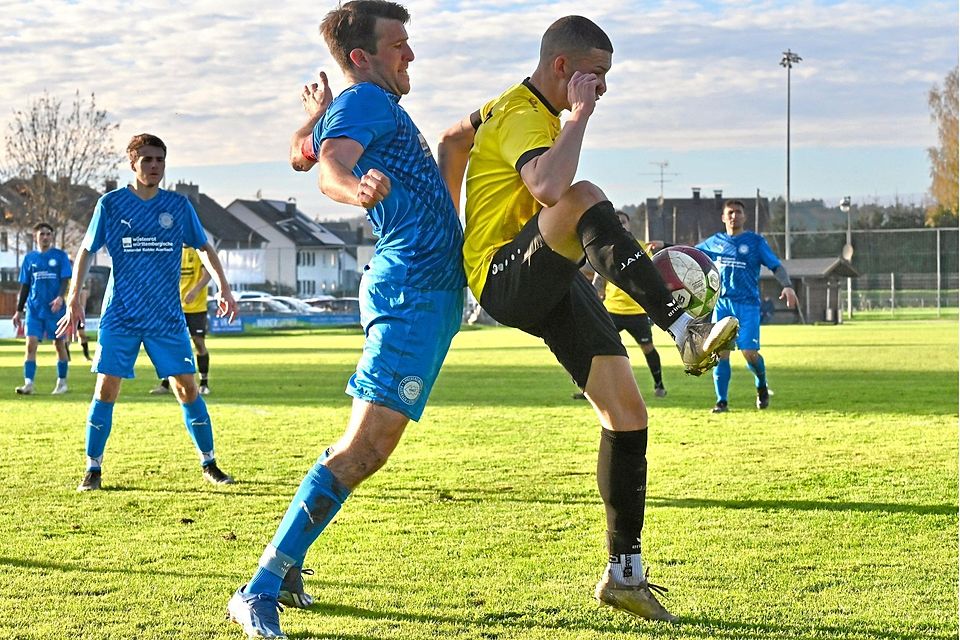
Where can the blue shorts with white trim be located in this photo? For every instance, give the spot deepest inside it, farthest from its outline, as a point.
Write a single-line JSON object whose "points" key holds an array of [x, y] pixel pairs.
{"points": [[408, 333], [172, 355]]}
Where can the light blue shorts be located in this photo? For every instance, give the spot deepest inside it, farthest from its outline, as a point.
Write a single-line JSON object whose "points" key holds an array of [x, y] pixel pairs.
{"points": [[42, 326], [408, 332], [116, 354], [749, 317]]}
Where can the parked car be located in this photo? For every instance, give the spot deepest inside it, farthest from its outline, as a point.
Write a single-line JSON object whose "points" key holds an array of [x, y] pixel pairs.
{"points": [[339, 305], [244, 295], [295, 304], [316, 300], [263, 306]]}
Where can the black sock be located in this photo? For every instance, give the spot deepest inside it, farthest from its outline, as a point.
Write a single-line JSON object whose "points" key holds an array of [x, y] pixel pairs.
{"points": [[86, 349], [653, 361], [622, 480], [165, 383], [203, 366], [618, 257]]}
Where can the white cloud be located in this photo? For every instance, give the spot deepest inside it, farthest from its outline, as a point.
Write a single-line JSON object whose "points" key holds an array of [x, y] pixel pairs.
{"points": [[220, 81]]}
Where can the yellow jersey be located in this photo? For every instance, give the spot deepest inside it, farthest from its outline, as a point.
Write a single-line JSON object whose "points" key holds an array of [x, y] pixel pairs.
{"points": [[191, 270], [515, 128]]}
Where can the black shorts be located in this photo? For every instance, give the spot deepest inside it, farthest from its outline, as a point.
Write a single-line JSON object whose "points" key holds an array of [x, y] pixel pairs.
{"points": [[196, 323], [636, 324], [533, 288]]}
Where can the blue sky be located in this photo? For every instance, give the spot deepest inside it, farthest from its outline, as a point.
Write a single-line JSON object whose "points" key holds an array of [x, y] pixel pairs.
{"points": [[694, 84]]}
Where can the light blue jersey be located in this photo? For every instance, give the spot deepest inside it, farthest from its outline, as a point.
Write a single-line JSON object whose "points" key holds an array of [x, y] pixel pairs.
{"points": [[420, 238], [739, 259], [411, 293], [144, 239], [44, 273]]}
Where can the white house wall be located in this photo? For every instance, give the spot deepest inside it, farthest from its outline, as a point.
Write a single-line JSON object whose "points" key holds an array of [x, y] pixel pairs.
{"points": [[279, 253], [243, 267], [323, 271]]}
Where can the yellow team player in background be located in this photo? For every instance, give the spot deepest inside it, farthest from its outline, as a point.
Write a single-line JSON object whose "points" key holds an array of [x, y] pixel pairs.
{"points": [[193, 298]]}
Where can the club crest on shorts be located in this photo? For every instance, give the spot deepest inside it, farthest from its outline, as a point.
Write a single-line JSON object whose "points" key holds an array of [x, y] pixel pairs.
{"points": [[410, 389], [165, 220]]}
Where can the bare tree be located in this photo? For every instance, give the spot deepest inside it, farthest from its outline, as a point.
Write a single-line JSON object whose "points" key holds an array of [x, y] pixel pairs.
{"points": [[943, 158], [53, 154]]}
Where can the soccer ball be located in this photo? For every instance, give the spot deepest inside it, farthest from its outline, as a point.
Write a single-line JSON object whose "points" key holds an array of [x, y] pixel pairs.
{"points": [[691, 278]]}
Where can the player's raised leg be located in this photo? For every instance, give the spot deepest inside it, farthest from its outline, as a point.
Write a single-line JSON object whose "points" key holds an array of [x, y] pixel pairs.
{"points": [[584, 222]]}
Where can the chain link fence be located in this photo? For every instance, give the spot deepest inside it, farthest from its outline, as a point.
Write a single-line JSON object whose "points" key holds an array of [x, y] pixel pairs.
{"points": [[902, 271]]}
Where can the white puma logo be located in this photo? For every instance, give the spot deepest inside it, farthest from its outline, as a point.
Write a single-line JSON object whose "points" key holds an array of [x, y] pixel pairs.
{"points": [[188, 360], [126, 222]]}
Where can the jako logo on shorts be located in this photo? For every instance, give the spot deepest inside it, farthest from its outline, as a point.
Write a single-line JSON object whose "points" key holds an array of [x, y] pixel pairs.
{"points": [[410, 389]]}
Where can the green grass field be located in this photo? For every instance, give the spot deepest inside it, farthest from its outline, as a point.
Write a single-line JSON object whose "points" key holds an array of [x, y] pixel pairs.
{"points": [[831, 515]]}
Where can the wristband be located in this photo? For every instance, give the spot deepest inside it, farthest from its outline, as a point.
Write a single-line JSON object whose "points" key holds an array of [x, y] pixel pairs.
{"points": [[306, 148]]}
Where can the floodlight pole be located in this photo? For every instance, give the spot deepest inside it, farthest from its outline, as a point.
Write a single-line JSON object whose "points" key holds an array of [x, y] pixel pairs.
{"points": [[788, 60], [848, 251]]}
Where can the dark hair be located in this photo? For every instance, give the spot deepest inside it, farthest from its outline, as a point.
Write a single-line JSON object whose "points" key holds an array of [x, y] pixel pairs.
{"points": [[42, 225], [143, 140], [353, 26], [573, 35], [734, 203]]}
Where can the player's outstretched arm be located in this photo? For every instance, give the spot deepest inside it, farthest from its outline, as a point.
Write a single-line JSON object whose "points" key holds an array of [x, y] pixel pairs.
{"points": [[336, 160], [316, 98], [453, 153], [67, 325], [226, 305]]}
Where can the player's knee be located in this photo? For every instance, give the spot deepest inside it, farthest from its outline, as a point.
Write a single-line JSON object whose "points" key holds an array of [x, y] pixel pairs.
{"points": [[584, 194], [185, 388], [108, 388], [356, 462]]}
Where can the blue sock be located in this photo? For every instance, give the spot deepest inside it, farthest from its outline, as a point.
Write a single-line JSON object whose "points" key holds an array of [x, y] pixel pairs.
{"points": [[759, 371], [721, 379], [62, 369], [99, 423], [197, 421], [29, 369], [316, 502]]}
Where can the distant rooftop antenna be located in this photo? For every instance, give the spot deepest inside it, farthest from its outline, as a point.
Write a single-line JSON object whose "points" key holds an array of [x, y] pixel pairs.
{"points": [[662, 165]]}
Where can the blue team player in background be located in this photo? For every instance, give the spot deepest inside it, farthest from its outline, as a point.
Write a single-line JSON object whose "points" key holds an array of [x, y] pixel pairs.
{"points": [[370, 154], [738, 255], [144, 229], [44, 276]]}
